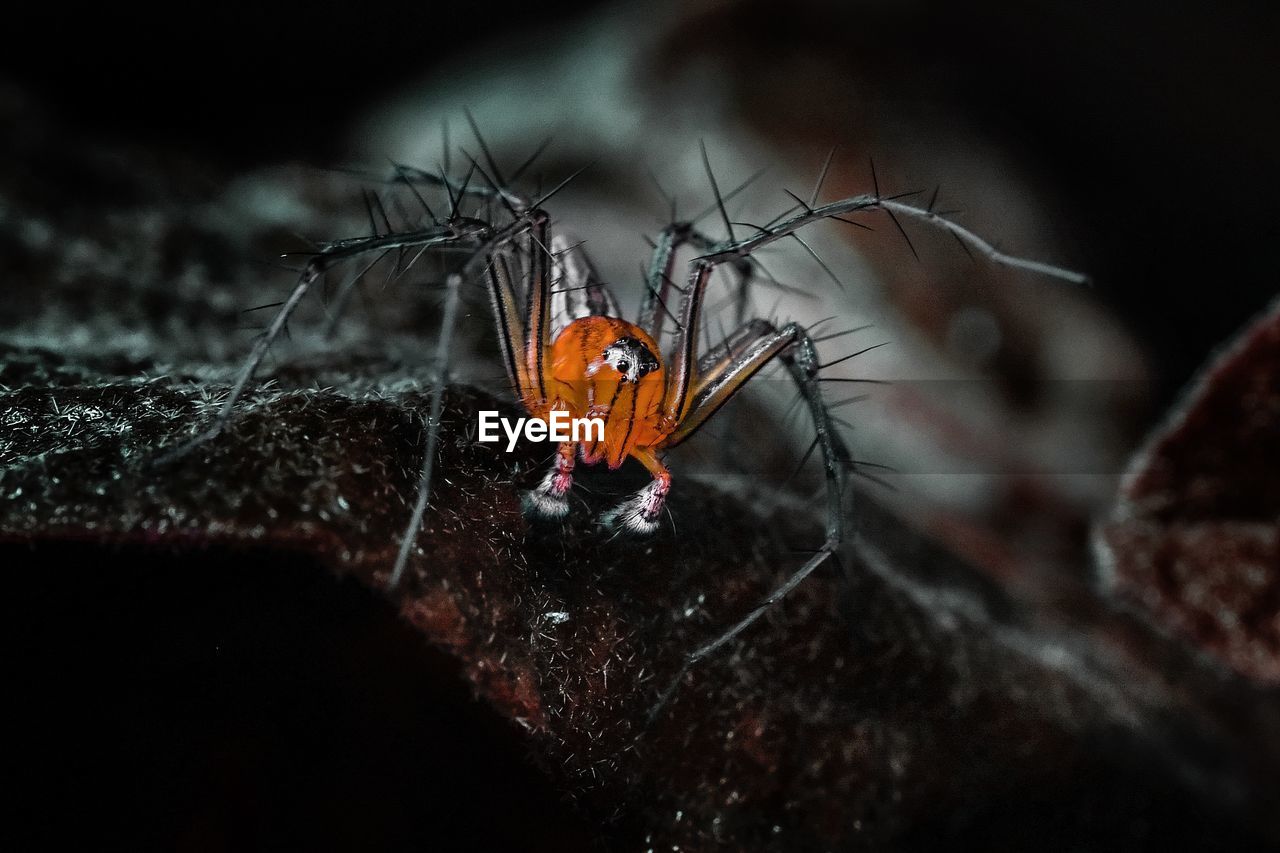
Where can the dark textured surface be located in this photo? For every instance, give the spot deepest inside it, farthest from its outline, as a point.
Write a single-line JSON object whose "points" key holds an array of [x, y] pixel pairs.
{"points": [[910, 705], [918, 709]]}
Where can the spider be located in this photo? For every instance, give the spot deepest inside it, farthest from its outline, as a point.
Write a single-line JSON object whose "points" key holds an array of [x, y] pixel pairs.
{"points": [[565, 347]]}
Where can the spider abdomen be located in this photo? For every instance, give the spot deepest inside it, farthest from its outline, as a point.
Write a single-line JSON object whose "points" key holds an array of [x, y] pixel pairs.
{"points": [[608, 368]]}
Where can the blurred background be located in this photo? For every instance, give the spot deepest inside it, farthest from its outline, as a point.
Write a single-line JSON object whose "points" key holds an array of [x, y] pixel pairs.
{"points": [[1128, 131]]}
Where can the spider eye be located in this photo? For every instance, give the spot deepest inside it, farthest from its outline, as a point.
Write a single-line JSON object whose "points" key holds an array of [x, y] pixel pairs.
{"points": [[624, 366]]}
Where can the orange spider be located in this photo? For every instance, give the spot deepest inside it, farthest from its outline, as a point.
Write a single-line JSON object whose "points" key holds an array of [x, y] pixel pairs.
{"points": [[565, 347], [600, 366]]}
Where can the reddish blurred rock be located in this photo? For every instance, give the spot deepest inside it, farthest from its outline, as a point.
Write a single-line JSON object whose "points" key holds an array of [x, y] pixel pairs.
{"points": [[1195, 536]]}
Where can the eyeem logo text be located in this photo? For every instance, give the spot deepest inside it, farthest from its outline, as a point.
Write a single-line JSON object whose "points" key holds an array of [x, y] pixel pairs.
{"points": [[559, 428]]}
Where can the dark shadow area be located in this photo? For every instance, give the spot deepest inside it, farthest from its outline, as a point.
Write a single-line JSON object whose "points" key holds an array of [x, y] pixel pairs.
{"points": [[241, 701], [249, 85]]}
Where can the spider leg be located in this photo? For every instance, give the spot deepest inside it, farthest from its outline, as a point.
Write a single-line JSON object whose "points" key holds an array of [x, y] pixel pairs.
{"points": [[259, 352], [720, 357], [537, 338], [973, 245], [639, 513], [682, 365], [742, 355], [659, 284], [410, 175], [464, 233], [511, 331], [577, 290], [433, 430], [510, 328], [338, 306], [550, 498]]}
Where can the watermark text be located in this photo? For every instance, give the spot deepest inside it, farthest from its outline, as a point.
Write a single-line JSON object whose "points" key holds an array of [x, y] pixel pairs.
{"points": [[559, 427]]}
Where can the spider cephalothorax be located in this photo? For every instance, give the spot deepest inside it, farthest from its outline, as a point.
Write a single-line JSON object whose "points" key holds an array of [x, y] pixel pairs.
{"points": [[621, 383], [566, 348]]}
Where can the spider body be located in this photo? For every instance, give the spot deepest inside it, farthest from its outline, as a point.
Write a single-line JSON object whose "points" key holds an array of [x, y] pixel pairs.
{"points": [[579, 356], [603, 367]]}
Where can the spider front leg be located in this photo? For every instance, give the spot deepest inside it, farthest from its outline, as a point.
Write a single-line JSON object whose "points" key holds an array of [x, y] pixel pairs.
{"points": [[639, 513], [510, 329], [527, 370], [658, 283]]}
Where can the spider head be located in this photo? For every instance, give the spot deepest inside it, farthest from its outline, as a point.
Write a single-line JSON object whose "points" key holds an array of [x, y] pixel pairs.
{"points": [[631, 357]]}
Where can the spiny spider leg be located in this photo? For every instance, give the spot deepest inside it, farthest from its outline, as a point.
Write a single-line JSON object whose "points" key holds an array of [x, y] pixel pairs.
{"points": [[819, 557], [459, 231], [578, 290], [746, 351], [538, 311], [463, 232], [658, 280], [532, 376], [688, 408], [443, 349], [510, 326], [528, 372], [683, 362], [411, 175], [968, 240], [338, 305], [713, 362], [550, 498], [640, 512]]}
